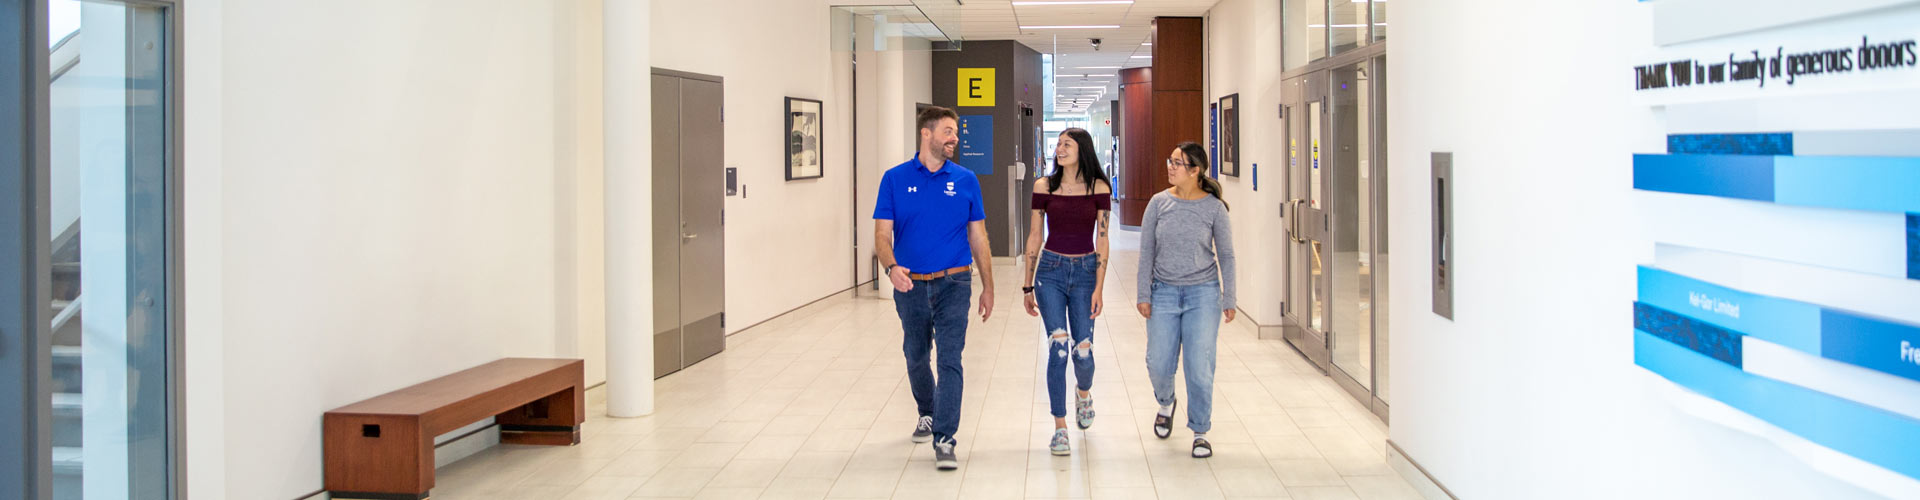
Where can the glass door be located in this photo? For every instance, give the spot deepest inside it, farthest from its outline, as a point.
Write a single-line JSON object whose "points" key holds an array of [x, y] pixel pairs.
{"points": [[1335, 220], [1309, 292]]}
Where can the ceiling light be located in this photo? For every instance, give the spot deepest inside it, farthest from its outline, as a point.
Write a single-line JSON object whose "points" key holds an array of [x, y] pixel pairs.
{"points": [[1098, 67], [1143, 57], [1083, 87], [1080, 2], [1083, 27], [1344, 25]]}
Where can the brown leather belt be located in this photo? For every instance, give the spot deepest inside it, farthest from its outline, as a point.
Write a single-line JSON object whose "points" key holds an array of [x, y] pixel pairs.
{"points": [[938, 275]]}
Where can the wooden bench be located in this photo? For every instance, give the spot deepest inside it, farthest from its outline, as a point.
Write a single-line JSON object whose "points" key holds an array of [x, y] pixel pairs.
{"points": [[382, 448]]}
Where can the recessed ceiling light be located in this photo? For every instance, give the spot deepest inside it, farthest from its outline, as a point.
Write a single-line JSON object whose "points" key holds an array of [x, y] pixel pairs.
{"points": [[1082, 27], [1098, 67], [1143, 57], [1079, 2], [1083, 87]]}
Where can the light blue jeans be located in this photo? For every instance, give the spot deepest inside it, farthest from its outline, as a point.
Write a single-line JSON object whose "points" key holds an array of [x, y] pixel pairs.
{"points": [[1185, 322]]}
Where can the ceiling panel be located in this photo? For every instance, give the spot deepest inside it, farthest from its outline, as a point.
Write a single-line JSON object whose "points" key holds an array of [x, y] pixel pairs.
{"points": [[1074, 55]]}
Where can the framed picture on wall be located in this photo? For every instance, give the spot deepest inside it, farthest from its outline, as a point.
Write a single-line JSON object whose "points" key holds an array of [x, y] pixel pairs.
{"points": [[1229, 135], [803, 139]]}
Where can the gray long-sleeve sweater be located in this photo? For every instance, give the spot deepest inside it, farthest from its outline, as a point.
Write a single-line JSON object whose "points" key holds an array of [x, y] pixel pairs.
{"points": [[1186, 242]]}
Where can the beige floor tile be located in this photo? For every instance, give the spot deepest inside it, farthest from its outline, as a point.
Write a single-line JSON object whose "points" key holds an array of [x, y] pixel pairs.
{"points": [[815, 404], [676, 482], [707, 455], [745, 473], [1388, 487], [1307, 472], [1322, 493], [1257, 482], [606, 488], [1193, 487], [729, 494], [1148, 493], [866, 483], [820, 464], [798, 488]]}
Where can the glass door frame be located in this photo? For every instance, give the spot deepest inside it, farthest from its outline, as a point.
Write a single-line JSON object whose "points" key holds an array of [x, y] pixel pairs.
{"points": [[1305, 85], [1306, 225], [26, 407], [26, 417]]}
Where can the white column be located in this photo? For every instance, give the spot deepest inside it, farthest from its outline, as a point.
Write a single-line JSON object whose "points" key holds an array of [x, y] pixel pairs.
{"points": [[629, 181]]}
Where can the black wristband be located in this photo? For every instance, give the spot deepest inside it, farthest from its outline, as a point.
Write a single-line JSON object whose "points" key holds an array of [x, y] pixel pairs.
{"points": [[1026, 289]]}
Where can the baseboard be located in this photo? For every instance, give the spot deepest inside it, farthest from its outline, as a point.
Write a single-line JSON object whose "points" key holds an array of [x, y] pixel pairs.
{"points": [[797, 309], [1416, 475], [1265, 332], [467, 445]]}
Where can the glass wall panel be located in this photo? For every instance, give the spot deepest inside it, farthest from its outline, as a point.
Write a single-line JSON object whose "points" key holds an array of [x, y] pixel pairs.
{"points": [[1379, 20], [108, 219], [1352, 213], [1349, 24]]}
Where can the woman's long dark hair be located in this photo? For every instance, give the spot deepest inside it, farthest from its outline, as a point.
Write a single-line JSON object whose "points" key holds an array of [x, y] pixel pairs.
{"points": [[1197, 158], [1089, 163]]}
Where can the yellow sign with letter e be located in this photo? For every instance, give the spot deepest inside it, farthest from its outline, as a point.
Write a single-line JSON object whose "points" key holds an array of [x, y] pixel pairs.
{"points": [[976, 87]]}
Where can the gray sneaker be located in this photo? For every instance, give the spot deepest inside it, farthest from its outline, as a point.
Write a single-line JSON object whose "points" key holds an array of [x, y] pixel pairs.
{"points": [[1060, 447], [943, 457], [923, 431]]}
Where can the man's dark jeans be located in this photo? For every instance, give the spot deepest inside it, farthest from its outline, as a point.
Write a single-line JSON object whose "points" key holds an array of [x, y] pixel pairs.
{"points": [[934, 318]]}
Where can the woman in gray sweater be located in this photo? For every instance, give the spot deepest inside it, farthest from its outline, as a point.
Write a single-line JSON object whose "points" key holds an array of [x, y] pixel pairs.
{"points": [[1185, 286]]}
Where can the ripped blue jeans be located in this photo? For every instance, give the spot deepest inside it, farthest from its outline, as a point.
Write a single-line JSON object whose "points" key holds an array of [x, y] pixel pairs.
{"points": [[1064, 286]]}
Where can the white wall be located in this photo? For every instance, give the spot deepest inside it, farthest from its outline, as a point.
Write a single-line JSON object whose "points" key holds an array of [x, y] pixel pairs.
{"points": [[1531, 391], [375, 197], [1243, 44], [788, 243]]}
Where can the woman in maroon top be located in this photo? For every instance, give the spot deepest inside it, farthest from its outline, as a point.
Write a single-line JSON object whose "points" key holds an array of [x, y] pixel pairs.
{"points": [[1066, 268]]}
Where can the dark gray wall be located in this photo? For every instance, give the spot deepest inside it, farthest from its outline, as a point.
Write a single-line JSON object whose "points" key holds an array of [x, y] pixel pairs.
{"points": [[1017, 82]]}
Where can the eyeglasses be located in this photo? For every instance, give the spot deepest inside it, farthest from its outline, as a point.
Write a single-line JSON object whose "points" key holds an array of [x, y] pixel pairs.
{"points": [[1178, 163]]}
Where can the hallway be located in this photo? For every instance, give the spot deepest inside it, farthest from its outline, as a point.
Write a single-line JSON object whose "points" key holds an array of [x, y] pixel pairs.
{"points": [[815, 404]]}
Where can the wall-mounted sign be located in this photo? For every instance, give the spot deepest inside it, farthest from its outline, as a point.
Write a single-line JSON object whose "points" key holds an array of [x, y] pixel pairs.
{"points": [[976, 87], [1754, 67], [976, 144]]}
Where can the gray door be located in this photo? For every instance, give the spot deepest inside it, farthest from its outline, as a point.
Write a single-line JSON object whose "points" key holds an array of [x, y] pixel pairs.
{"points": [[703, 294], [689, 246], [666, 226]]}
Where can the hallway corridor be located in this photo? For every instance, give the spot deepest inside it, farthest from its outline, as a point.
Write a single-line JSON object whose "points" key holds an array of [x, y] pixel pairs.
{"points": [[815, 405]]}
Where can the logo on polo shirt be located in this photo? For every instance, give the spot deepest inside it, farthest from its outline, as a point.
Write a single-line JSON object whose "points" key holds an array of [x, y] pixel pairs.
{"points": [[913, 189], [950, 188]]}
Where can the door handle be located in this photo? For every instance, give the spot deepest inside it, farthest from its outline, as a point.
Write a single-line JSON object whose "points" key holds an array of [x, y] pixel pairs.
{"points": [[689, 236], [1293, 222]]}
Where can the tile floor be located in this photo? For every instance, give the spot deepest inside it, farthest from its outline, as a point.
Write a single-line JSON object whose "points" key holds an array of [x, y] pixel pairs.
{"points": [[815, 405]]}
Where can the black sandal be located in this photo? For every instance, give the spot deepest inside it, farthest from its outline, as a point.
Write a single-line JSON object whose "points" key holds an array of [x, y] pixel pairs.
{"points": [[1202, 448], [1163, 424]]}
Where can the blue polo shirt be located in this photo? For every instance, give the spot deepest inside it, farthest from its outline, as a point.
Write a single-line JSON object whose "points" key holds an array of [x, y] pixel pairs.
{"points": [[930, 212]]}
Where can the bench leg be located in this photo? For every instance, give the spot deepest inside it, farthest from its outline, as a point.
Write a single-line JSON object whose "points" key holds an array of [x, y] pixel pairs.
{"points": [[377, 457], [552, 421]]}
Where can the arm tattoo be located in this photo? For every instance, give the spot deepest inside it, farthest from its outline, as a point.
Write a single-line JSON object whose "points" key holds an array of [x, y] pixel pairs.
{"points": [[1103, 225]]}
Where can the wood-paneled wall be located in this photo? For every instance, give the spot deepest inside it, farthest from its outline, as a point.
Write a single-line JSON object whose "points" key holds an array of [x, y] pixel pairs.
{"points": [[1162, 106]]}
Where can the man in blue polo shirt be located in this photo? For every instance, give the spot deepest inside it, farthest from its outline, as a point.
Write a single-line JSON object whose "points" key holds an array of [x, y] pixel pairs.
{"points": [[928, 216]]}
